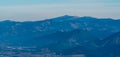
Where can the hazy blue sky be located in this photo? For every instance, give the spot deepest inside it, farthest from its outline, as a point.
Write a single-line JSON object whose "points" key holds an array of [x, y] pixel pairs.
{"points": [[22, 10]]}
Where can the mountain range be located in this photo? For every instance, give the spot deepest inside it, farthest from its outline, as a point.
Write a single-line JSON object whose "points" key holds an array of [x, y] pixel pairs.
{"points": [[94, 37]]}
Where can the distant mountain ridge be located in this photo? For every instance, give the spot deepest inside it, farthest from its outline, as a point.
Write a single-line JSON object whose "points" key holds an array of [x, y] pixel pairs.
{"points": [[65, 34]]}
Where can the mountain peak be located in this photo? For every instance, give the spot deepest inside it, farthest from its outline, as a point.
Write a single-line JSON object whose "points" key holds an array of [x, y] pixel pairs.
{"points": [[66, 16], [70, 16], [74, 17]]}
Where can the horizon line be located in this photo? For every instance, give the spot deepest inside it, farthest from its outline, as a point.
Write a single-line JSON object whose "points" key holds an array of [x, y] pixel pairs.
{"points": [[99, 18]]}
